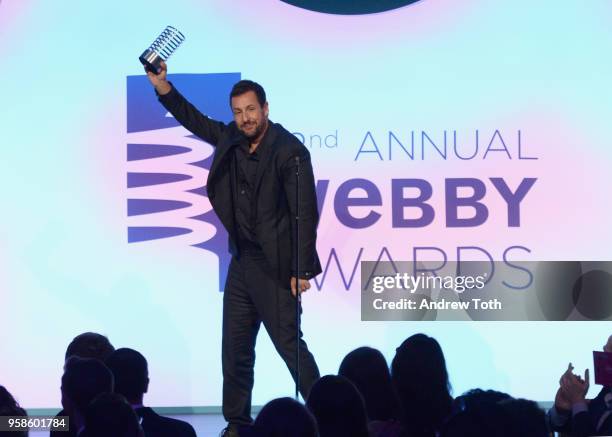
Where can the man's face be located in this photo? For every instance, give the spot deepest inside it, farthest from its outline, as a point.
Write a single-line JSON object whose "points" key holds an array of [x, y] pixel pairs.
{"points": [[250, 117]]}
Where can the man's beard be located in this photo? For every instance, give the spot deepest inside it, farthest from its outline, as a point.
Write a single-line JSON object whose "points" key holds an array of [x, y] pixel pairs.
{"points": [[256, 133]]}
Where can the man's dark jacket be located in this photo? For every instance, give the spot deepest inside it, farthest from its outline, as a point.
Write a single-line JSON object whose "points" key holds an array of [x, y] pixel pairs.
{"points": [[155, 425], [274, 191]]}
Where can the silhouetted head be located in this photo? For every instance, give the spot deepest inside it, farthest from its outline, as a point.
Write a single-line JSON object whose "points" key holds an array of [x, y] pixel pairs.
{"points": [[284, 417], [338, 407], [90, 345], [525, 418], [367, 368], [480, 420], [477, 413], [418, 372], [480, 413], [474, 398], [109, 414], [10, 407], [608, 346], [131, 373], [83, 380]]}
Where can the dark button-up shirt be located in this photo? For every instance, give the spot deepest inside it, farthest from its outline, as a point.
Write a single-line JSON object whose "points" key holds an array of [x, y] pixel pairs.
{"points": [[245, 171]]}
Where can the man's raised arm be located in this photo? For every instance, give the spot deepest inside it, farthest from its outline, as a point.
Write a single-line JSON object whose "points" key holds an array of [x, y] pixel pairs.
{"points": [[183, 111]]}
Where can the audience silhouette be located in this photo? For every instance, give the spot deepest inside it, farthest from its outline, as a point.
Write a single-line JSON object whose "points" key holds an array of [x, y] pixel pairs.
{"points": [[83, 380], [338, 407], [282, 417], [131, 372], [89, 345], [110, 415], [367, 368], [103, 394], [573, 414], [479, 413], [85, 345], [10, 407], [419, 374]]}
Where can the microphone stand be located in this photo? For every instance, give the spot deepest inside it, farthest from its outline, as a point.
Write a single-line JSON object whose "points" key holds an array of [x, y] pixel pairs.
{"points": [[298, 297]]}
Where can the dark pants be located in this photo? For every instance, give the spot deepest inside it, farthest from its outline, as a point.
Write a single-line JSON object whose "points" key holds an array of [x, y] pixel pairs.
{"points": [[253, 296]]}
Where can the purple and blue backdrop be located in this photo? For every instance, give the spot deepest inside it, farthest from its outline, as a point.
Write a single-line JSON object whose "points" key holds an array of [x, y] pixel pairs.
{"points": [[105, 226]]}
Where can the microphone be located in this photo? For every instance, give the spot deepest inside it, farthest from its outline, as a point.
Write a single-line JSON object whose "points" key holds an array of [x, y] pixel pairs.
{"points": [[161, 49], [298, 296]]}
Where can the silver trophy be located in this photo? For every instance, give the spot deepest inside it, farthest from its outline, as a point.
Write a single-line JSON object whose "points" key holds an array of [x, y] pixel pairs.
{"points": [[161, 49]]}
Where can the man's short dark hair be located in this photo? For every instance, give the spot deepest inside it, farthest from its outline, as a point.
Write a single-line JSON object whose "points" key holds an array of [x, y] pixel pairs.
{"points": [[90, 345], [84, 379], [131, 372], [244, 86]]}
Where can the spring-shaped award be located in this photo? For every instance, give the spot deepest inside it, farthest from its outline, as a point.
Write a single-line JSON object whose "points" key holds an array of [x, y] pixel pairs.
{"points": [[161, 49]]}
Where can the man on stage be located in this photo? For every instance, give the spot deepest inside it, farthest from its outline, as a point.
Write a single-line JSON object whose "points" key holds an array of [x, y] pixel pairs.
{"points": [[252, 188]]}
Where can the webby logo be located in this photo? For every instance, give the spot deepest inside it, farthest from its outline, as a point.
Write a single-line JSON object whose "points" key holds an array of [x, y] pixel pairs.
{"points": [[167, 166]]}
